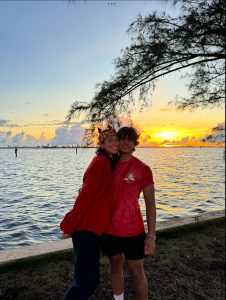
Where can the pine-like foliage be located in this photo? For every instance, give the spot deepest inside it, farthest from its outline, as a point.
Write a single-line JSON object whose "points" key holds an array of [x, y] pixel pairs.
{"points": [[160, 45]]}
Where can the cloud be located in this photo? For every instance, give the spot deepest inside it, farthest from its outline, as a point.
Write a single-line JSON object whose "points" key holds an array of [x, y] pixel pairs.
{"points": [[3, 122], [46, 123], [52, 123], [21, 139], [4, 137], [18, 138], [127, 122], [166, 109], [185, 141], [66, 135], [6, 123], [145, 140]]}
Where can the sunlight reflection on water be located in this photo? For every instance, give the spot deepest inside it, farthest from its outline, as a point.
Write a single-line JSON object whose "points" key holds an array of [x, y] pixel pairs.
{"points": [[39, 186]]}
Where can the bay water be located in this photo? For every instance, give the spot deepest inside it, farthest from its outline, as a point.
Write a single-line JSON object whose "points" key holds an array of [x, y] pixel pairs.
{"points": [[40, 185]]}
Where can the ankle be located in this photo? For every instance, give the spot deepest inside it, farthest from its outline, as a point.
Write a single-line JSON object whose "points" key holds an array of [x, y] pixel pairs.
{"points": [[119, 297]]}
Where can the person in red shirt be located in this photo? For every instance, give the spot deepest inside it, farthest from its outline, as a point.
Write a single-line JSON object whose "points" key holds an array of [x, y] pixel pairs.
{"points": [[89, 217], [125, 236]]}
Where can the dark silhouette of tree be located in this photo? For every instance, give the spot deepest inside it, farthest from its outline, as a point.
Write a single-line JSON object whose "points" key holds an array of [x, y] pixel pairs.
{"points": [[160, 45], [217, 136]]}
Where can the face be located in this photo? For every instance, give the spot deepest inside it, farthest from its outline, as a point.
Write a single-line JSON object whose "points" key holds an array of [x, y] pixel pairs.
{"points": [[111, 145], [126, 146]]}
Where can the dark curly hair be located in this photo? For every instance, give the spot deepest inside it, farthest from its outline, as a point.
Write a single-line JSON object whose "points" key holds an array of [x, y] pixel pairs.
{"points": [[129, 133]]}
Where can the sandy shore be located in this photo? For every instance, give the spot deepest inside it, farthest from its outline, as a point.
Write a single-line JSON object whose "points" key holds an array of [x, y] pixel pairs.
{"points": [[188, 264]]}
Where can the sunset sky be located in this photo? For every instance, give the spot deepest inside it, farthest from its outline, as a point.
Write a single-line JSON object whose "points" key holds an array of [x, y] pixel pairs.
{"points": [[55, 52]]}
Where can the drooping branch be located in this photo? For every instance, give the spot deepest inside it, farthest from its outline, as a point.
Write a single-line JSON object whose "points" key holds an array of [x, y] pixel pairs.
{"points": [[163, 45]]}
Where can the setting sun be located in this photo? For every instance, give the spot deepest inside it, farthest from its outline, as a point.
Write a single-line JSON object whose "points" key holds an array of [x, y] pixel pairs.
{"points": [[166, 135]]}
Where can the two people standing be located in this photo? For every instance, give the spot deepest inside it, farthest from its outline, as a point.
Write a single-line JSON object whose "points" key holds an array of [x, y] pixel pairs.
{"points": [[121, 231]]}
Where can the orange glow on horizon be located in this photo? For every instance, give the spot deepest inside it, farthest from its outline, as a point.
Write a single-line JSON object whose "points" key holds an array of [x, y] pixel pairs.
{"points": [[175, 137], [151, 134], [166, 135]]}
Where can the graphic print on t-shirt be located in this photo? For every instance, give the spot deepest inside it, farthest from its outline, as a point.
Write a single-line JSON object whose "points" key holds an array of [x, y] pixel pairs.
{"points": [[130, 178]]}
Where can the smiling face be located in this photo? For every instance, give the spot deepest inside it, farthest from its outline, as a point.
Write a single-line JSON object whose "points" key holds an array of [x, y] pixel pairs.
{"points": [[128, 139], [110, 145], [126, 145]]}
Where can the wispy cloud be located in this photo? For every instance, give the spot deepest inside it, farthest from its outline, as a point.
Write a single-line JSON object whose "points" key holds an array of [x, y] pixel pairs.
{"points": [[51, 123], [166, 109], [6, 123]]}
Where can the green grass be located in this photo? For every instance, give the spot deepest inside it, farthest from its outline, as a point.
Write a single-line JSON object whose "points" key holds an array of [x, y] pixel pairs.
{"points": [[168, 233], [188, 264]]}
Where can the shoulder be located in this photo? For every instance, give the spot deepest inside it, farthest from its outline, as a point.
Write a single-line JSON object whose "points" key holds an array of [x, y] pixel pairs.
{"points": [[144, 171], [100, 161], [99, 165], [140, 163]]}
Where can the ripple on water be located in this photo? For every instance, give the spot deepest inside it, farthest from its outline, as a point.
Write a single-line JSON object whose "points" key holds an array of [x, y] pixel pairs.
{"points": [[40, 187], [198, 211]]}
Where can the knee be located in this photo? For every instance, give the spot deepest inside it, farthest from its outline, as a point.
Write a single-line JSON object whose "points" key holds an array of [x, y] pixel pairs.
{"points": [[116, 263], [136, 272]]}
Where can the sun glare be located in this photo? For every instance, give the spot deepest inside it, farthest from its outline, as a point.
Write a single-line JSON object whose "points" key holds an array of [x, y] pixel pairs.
{"points": [[166, 135]]}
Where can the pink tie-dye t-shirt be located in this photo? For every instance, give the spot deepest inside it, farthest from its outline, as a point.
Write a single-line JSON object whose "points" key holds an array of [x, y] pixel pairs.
{"points": [[131, 177]]}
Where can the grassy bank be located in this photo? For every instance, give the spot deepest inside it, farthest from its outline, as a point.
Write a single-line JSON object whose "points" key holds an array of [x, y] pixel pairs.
{"points": [[188, 264]]}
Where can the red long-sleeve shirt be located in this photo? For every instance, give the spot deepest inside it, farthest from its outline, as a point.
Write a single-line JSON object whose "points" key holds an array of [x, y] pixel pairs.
{"points": [[94, 203]]}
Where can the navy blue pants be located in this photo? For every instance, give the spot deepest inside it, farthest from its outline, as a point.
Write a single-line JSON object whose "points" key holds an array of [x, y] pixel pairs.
{"points": [[86, 276]]}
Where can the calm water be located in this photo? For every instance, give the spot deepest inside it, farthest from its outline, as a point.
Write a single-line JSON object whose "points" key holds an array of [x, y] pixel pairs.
{"points": [[39, 186]]}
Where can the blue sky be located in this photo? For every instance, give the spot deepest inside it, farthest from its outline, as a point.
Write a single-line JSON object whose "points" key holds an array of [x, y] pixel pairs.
{"points": [[55, 52]]}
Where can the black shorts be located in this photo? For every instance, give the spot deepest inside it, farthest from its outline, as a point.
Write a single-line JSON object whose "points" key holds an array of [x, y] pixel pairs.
{"points": [[131, 247]]}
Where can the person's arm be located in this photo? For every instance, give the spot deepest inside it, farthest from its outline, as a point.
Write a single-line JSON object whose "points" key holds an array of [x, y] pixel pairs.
{"points": [[149, 197], [92, 188]]}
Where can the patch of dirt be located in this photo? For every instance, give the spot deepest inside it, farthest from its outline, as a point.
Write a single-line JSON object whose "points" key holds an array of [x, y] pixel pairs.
{"points": [[187, 265]]}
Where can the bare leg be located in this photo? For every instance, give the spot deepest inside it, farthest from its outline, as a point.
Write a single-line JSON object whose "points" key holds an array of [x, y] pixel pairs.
{"points": [[136, 270], [116, 274]]}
